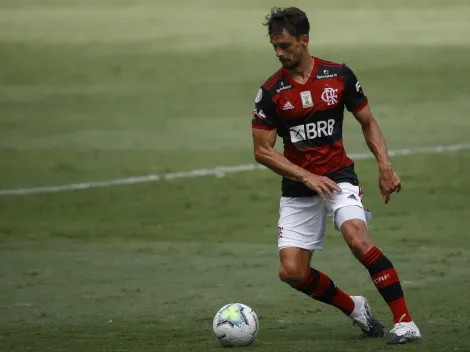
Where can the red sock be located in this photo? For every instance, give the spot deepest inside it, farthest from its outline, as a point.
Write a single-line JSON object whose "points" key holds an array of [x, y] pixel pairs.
{"points": [[321, 288], [386, 280]]}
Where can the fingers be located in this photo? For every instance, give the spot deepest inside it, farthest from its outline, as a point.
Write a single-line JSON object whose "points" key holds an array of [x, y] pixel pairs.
{"points": [[323, 186], [399, 188], [320, 192], [324, 189], [397, 183], [333, 186], [329, 187], [396, 187], [386, 195], [389, 182], [387, 189], [327, 190]]}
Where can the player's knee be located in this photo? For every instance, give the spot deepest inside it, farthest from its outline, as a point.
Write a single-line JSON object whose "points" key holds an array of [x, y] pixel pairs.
{"points": [[360, 247], [356, 235], [292, 273]]}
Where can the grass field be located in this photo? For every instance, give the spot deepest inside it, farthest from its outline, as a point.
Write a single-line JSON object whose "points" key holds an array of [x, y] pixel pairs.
{"points": [[101, 90]]}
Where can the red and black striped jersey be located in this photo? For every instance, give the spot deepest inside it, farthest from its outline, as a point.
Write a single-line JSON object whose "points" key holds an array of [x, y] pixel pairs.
{"points": [[309, 119]]}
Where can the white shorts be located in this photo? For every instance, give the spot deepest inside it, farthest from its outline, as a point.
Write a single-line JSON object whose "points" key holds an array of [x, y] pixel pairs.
{"points": [[302, 220]]}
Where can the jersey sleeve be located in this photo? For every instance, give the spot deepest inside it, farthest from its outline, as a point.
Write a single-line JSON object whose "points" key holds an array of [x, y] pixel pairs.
{"points": [[264, 113], [354, 97]]}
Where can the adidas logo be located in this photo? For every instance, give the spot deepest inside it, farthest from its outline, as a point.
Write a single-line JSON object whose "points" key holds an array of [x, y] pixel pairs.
{"points": [[288, 106], [352, 196]]}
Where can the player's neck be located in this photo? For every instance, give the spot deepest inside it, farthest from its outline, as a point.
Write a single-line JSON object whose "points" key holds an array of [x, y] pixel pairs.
{"points": [[302, 72]]}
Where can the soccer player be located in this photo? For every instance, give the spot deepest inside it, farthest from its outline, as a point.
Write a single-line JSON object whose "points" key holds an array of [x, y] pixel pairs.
{"points": [[303, 103]]}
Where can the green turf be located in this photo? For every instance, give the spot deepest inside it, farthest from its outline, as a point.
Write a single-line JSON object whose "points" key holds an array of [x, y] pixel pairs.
{"points": [[97, 90]]}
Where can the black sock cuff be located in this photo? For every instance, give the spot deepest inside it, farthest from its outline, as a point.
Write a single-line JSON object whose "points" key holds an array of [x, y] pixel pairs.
{"points": [[380, 265]]}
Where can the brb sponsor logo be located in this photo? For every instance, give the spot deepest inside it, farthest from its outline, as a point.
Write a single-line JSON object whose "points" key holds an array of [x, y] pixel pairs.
{"points": [[312, 130]]}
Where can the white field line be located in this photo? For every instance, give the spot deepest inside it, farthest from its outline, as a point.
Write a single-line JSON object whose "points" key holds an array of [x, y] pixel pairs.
{"points": [[219, 171]]}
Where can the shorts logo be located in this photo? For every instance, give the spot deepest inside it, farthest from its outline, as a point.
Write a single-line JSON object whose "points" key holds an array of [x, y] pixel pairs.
{"points": [[311, 130], [306, 97], [352, 196], [330, 96]]}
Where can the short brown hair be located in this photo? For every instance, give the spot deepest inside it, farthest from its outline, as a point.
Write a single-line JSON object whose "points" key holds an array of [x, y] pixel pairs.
{"points": [[293, 19]]}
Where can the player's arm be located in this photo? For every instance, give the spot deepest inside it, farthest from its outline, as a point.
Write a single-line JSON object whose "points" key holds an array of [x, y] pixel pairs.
{"points": [[373, 136], [356, 102], [388, 179], [265, 154], [264, 131]]}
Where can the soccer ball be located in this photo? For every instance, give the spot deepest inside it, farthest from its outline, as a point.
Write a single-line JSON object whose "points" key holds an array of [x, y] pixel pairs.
{"points": [[236, 325]]}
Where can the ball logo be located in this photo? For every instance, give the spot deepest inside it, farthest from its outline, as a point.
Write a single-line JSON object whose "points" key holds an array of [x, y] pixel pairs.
{"points": [[330, 96]]}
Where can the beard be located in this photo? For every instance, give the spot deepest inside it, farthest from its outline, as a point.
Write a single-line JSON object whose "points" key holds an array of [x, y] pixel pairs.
{"points": [[289, 64]]}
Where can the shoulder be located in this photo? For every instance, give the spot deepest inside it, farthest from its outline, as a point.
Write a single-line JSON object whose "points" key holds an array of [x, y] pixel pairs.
{"points": [[276, 83], [327, 63], [329, 69], [272, 80]]}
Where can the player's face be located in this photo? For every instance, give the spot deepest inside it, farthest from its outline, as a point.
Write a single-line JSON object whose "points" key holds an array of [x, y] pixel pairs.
{"points": [[289, 49]]}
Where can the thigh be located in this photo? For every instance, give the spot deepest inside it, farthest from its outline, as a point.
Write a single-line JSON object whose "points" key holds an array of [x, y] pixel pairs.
{"points": [[302, 223], [347, 205]]}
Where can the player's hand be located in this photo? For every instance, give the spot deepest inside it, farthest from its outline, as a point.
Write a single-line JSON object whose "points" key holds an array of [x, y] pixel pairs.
{"points": [[388, 183], [322, 185]]}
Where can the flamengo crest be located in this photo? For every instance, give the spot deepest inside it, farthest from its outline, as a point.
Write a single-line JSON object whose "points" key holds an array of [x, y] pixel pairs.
{"points": [[330, 96]]}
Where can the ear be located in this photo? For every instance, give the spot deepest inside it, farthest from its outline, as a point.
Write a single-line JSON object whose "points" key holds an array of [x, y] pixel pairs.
{"points": [[304, 39]]}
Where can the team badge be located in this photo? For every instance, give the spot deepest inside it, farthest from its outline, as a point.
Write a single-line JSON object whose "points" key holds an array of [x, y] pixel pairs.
{"points": [[330, 96], [306, 97]]}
